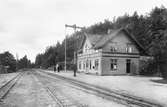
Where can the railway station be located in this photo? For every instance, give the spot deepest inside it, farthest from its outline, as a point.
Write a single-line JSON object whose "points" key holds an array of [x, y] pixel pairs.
{"points": [[83, 53]]}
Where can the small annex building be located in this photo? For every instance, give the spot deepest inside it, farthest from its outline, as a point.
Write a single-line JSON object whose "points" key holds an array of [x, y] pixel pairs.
{"points": [[115, 53]]}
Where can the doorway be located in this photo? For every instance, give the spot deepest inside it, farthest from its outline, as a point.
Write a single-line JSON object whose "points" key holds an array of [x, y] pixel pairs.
{"points": [[128, 63]]}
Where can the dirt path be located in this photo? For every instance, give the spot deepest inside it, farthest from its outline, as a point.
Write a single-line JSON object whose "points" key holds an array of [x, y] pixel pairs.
{"points": [[28, 92]]}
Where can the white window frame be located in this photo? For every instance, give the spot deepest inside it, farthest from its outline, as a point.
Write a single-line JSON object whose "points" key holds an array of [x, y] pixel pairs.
{"points": [[129, 48]]}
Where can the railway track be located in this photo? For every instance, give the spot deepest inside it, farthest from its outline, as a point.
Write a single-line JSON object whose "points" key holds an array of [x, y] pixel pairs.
{"points": [[128, 100], [59, 97], [4, 89]]}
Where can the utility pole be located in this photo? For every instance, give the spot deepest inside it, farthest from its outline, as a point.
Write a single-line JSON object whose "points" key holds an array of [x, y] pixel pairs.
{"points": [[73, 27], [17, 59]]}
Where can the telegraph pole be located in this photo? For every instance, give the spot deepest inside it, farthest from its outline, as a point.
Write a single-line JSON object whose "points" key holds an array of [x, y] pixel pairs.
{"points": [[73, 27], [17, 59]]}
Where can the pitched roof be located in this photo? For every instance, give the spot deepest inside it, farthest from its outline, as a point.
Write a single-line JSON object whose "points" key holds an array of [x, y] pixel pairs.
{"points": [[94, 38], [98, 41], [102, 41]]}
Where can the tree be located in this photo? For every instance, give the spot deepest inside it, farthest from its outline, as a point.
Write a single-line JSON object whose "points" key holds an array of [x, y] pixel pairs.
{"points": [[24, 63], [8, 60], [38, 60], [158, 35]]}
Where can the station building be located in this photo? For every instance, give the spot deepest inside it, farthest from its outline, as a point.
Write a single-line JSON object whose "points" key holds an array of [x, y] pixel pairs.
{"points": [[115, 53]]}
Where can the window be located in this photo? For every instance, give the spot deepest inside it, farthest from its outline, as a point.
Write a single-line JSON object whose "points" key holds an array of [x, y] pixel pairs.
{"points": [[87, 64], [129, 48], [96, 64], [113, 64], [84, 65], [96, 51], [113, 49], [90, 63], [80, 65], [86, 48]]}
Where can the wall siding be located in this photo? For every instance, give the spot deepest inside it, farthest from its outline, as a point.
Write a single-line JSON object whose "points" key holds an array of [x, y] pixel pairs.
{"points": [[88, 70], [121, 63], [121, 41]]}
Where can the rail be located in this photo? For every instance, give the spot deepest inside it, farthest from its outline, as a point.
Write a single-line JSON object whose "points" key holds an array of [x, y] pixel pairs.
{"points": [[109, 94], [57, 95], [4, 89]]}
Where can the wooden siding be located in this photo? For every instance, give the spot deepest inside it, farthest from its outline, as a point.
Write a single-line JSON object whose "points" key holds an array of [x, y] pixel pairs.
{"points": [[120, 42]]}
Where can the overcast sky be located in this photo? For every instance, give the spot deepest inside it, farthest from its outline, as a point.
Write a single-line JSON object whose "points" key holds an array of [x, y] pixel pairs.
{"points": [[29, 26]]}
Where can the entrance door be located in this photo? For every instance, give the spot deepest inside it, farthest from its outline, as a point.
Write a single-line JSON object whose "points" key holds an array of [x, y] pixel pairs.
{"points": [[128, 61], [87, 66]]}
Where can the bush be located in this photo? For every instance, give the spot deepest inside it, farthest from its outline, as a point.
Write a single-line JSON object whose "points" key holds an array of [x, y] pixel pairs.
{"points": [[163, 69], [148, 67]]}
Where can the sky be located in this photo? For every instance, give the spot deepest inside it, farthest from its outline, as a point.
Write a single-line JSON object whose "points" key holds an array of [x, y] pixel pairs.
{"points": [[27, 27]]}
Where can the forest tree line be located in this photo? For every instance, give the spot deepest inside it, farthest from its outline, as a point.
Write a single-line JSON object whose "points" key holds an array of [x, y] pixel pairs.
{"points": [[8, 63], [150, 30]]}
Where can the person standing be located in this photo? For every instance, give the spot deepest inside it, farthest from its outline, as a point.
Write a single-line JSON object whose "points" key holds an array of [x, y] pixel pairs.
{"points": [[57, 67], [54, 68], [75, 69]]}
